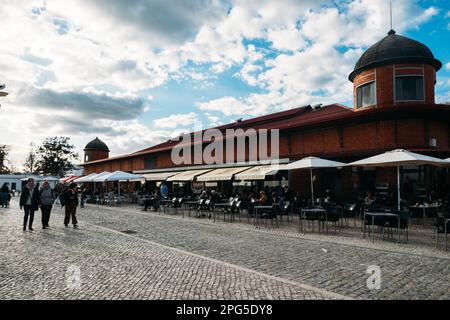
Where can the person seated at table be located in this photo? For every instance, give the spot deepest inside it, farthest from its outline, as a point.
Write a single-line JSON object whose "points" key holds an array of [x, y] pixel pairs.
{"points": [[263, 199], [215, 197], [286, 193], [369, 199], [328, 196]]}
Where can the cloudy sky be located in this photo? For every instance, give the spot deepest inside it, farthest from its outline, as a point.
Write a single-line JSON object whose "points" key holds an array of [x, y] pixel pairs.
{"points": [[141, 71]]}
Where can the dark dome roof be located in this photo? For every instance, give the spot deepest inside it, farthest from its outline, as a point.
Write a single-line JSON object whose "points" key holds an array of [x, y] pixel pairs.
{"points": [[97, 145], [394, 49]]}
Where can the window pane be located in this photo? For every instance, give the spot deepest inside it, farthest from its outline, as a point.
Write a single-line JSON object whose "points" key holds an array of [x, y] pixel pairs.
{"points": [[365, 95], [409, 88]]}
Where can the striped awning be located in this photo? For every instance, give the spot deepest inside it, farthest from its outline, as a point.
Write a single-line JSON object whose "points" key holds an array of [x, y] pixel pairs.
{"points": [[68, 179], [188, 175], [258, 172], [221, 174], [159, 176]]}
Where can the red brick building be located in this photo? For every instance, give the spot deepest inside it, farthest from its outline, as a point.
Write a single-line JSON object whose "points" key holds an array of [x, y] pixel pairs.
{"points": [[394, 107]]}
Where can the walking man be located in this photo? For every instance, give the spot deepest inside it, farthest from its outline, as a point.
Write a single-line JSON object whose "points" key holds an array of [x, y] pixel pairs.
{"points": [[29, 201], [47, 198], [71, 203]]}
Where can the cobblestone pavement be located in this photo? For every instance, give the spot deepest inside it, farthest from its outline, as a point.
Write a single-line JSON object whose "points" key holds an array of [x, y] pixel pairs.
{"points": [[210, 260], [335, 267], [95, 262]]}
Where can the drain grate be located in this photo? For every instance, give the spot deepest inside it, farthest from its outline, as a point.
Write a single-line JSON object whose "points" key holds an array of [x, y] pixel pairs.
{"points": [[129, 231]]}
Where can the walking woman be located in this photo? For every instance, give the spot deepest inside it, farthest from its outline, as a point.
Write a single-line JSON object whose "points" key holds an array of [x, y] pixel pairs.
{"points": [[71, 203], [47, 198]]}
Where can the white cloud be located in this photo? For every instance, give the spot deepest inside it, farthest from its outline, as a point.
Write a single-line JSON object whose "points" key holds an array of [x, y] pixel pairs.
{"points": [[176, 120], [74, 66], [322, 51]]}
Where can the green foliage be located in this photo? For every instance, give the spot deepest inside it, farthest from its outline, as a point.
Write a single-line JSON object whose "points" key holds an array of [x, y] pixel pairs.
{"points": [[55, 156]]}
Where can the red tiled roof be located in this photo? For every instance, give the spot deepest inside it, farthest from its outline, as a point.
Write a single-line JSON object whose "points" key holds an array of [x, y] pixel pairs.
{"points": [[293, 118]]}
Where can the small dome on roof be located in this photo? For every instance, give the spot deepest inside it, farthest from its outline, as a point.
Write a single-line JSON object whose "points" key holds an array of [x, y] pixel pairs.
{"points": [[394, 49], [97, 145]]}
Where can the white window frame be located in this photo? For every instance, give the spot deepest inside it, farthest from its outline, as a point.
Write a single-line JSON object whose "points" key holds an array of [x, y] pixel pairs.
{"points": [[375, 92]]}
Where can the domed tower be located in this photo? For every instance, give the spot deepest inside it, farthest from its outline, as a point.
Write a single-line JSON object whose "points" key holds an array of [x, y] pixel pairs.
{"points": [[394, 71], [96, 150]]}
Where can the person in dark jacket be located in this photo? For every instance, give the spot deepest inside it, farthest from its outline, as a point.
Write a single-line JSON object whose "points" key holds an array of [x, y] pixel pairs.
{"points": [[4, 193], [71, 203], [46, 199], [29, 201]]}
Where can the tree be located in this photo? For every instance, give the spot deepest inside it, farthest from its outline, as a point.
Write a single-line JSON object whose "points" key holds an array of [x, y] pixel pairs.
{"points": [[4, 152], [30, 163], [55, 156]]}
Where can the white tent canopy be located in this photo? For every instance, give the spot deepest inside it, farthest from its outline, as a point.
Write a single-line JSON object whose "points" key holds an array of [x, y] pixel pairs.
{"points": [[100, 177], [397, 158], [312, 163], [121, 176], [87, 178]]}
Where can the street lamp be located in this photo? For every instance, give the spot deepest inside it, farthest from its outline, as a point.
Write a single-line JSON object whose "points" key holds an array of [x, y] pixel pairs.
{"points": [[3, 93]]}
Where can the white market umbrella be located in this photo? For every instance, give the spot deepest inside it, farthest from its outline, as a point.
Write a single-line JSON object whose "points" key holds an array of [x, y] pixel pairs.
{"points": [[120, 176], [397, 158], [98, 177], [312, 163], [85, 178], [101, 176]]}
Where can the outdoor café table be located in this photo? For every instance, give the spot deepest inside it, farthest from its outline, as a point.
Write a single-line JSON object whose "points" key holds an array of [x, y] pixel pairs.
{"points": [[164, 203], [256, 208], [187, 204], [223, 205], [380, 214], [424, 210], [150, 201], [318, 212]]}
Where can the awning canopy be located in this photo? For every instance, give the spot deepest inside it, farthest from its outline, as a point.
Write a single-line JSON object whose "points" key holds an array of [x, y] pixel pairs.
{"points": [[398, 157], [221, 174], [87, 178], [71, 179], [99, 177], [118, 176], [188, 175], [313, 163], [159, 176], [258, 172]]}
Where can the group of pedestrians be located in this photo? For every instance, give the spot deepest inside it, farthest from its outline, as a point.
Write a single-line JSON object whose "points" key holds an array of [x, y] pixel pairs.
{"points": [[34, 198]]}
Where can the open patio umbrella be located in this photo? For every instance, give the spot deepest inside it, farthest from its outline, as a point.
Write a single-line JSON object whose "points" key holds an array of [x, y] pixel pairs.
{"points": [[312, 163], [85, 178], [120, 176], [397, 158]]}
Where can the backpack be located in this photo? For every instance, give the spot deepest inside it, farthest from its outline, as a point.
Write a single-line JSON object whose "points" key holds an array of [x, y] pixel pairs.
{"points": [[63, 198]]}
